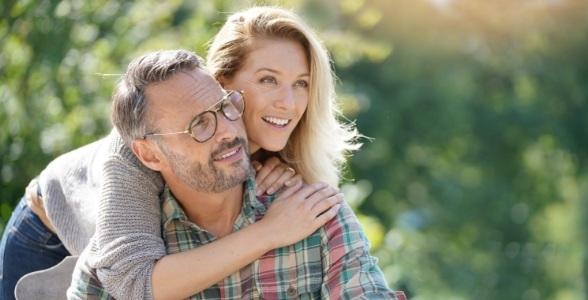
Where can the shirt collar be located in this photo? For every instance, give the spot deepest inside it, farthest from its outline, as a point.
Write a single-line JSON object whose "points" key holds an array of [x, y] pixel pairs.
{"points": [[253, 207]]}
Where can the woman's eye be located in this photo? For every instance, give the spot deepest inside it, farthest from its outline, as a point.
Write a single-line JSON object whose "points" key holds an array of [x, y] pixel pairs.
{"points": [[268, 79], [301, 83]]}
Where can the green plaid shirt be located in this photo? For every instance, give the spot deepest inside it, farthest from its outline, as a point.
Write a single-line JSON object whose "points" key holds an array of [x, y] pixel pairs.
{"points": [[332, 263]]}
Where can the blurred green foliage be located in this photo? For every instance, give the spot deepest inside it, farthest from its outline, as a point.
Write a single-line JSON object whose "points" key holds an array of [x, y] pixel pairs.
{"points": [[475, 184]]}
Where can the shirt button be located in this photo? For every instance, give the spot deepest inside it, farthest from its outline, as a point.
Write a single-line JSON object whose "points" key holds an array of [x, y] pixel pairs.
{"points": [[291, 291]]}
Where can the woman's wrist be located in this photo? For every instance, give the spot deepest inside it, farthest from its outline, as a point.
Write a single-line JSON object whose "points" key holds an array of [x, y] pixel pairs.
{"points": [[266, 236]]}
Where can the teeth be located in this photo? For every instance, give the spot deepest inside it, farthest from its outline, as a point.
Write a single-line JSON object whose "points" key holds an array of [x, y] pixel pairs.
{"points": [[227, 154], [279, 122]]}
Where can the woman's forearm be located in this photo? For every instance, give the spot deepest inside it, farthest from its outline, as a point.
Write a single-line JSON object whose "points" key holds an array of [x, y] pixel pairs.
{"points": [[180, 275], [292, 216]]}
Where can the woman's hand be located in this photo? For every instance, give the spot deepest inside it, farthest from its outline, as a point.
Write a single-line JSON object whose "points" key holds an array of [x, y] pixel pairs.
{"points": [[299, 211], [273, 175]]}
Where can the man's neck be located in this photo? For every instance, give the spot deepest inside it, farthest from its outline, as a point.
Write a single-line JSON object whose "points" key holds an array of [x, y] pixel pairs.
{"points": [[215, 213]]}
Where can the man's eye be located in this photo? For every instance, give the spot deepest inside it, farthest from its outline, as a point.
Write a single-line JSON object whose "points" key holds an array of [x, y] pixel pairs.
{"points": [[200, 122]]}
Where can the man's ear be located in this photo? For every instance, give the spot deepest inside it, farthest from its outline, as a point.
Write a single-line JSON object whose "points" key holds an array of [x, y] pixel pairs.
{"points": [[149, 154]]}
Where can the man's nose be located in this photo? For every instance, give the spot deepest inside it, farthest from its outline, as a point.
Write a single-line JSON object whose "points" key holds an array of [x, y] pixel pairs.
{"points": [[227, 129]]}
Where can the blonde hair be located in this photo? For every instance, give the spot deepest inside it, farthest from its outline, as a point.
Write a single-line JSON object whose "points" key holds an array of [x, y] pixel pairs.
{"points": [[318, 146]]}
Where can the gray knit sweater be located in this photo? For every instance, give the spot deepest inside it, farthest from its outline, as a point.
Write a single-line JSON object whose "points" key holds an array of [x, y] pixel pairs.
{"points": [[70, 185], [102, 189], [127, 242]]}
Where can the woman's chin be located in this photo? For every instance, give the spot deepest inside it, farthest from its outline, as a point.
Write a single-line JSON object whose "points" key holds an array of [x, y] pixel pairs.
{"points": [[274, 146]]}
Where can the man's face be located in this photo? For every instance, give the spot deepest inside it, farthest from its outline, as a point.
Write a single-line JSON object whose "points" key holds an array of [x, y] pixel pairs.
{"points": [[213, 166]]}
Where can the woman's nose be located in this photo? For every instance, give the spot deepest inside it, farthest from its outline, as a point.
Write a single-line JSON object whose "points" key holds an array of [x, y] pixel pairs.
{"points": [[285, 99]]}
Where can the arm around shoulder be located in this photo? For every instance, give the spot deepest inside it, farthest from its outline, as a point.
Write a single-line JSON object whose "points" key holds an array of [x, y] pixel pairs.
{"points": [[128, 233]]}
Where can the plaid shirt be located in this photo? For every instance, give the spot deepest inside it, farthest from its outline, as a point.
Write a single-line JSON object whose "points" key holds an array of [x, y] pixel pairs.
{"points": [[332, 263]]}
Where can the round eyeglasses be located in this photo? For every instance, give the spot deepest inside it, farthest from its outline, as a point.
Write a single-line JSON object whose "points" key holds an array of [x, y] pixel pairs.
{"points": [[203, 126]]}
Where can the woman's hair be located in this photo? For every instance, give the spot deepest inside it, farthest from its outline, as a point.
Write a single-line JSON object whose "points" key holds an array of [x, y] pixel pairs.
{"points": [[318, 146], [129, 103]]}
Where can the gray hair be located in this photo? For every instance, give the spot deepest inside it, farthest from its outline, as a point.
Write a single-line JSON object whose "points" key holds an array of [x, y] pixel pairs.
{"points": [[129, 104]]}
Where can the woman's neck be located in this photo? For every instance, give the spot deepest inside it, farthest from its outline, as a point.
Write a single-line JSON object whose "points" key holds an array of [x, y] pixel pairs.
{"points": [[260, 155]]}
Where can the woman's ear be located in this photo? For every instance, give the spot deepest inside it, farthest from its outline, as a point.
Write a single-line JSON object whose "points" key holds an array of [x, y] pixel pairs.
{"points": [[149, 154], [222, 81]]}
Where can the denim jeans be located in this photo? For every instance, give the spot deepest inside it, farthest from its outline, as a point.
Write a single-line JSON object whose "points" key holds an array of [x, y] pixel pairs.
{"points": [[27, 246]]}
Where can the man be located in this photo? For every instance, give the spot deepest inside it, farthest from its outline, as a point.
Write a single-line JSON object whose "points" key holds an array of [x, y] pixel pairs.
{"points": [[332, 263]]}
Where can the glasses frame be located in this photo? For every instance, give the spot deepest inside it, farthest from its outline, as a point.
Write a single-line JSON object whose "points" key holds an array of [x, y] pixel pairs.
{"points": [[212, 110]]}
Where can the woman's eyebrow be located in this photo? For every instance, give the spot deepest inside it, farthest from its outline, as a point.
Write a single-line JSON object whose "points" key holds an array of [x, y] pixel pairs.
{"points": [[279, 73], [269, 70]]}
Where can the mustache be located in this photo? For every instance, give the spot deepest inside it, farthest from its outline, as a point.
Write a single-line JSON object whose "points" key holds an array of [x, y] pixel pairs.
{"points": [[228, 145]]}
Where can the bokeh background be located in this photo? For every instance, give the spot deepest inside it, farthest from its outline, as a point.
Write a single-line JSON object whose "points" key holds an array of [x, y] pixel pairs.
{"points": [[474, 184]]}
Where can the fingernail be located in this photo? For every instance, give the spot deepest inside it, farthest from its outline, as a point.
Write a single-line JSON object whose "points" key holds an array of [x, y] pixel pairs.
{"points": [[259, 192], [288, 183], [270, 191]]}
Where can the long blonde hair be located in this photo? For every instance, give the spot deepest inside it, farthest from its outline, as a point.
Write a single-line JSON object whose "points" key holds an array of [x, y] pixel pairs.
{"points": [[318, 146]]}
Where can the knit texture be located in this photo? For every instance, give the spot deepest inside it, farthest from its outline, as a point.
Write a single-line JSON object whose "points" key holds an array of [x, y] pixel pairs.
{"points": [[128, 239], [70, 185]]}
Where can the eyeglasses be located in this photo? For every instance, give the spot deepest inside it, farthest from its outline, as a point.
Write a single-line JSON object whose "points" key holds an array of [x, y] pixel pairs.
{"points": [[203, 126]]}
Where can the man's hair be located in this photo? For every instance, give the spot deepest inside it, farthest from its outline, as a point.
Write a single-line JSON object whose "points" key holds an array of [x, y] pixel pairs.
{"points": [[130, 115], [318, 146]]}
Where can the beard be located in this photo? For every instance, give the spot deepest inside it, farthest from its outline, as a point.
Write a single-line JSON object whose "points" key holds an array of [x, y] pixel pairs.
{"points": [[207, 178]]}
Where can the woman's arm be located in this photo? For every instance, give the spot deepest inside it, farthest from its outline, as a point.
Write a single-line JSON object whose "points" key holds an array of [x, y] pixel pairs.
{"points": [[296, 214], [128, 232], [131, 261]]}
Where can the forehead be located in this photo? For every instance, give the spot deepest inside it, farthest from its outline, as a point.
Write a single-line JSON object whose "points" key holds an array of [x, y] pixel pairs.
{"points": [[183, 95], [280, 54]]}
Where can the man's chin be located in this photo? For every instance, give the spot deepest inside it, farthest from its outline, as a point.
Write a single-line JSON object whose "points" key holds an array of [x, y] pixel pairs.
{"points": [[239, 172]]}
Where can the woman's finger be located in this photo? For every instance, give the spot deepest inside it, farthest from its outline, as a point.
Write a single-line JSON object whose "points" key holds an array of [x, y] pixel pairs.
{"points": [[304, 192], [263, 171], [282, 180], [325, 204]]}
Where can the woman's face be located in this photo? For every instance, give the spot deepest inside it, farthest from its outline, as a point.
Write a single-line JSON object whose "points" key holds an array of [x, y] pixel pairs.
{"points": [[275, 78]]}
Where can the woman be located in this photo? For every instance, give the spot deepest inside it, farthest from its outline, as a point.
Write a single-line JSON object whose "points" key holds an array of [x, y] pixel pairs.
{"points": [[315, 78], [291, 112], [70, 187]]}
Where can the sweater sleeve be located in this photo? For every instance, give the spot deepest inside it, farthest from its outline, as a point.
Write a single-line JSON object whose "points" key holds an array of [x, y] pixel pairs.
{"points": [[128, 231]]}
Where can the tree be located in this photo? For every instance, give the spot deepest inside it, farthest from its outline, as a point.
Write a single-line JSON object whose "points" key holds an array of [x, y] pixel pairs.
{"points": [[474, 182]]}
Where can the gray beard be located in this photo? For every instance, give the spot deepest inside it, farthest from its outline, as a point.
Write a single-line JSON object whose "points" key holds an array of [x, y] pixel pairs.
{"points": [[207, 178]]}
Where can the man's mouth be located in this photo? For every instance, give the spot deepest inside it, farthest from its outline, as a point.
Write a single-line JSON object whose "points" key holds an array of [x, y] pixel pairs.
{"points": [[228, 154]]}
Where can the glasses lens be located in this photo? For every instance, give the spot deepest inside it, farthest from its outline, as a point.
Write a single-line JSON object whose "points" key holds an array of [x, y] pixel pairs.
{"points": [[204, 126], [233, 107]]}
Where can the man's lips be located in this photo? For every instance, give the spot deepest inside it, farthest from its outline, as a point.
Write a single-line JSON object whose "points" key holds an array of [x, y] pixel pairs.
{"points": [[229, 153]]}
